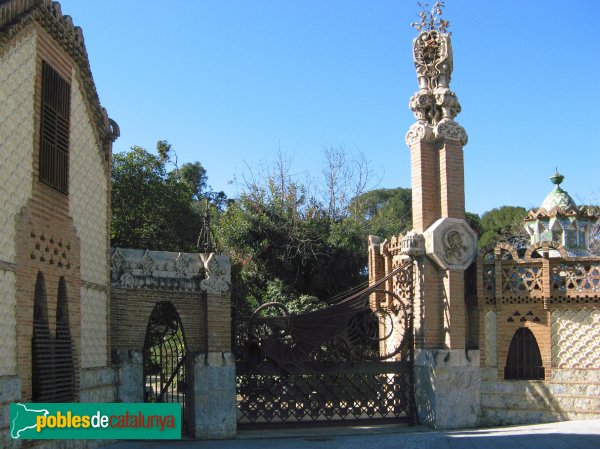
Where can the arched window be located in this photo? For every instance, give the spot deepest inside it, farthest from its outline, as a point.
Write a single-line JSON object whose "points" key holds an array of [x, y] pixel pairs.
{"points": [[524, 361], [63, 349], [42, 372], [53, 373]]}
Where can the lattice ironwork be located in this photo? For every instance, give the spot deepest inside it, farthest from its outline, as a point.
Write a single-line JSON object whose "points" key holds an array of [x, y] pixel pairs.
{"points": [[349, 361], [365, 391], [165, 355]]}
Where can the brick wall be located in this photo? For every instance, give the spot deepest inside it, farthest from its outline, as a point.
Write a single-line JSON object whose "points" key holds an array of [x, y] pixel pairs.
{"points": [[131, 309]]}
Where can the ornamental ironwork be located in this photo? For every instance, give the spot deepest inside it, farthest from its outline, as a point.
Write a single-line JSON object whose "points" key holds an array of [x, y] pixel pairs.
{"points": [[351, 360]]}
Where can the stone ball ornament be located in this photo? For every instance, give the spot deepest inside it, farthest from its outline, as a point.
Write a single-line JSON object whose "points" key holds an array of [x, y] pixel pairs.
{"points": [[451, 243]]}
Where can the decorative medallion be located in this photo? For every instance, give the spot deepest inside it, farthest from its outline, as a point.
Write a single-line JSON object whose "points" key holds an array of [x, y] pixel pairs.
{"points": [[451, 243]]}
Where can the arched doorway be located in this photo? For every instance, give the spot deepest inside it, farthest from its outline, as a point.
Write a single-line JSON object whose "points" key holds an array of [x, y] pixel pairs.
{"points": [[165, 357]]}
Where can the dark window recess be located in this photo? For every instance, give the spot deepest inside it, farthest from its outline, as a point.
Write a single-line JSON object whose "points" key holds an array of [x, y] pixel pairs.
{"points": [[53, 373], [41, 346], [54, 129], [524, 361], [64, 377]]}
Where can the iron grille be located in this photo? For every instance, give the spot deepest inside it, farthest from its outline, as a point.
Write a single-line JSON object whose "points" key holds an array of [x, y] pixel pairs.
{"points": [[524, 361], [369, 391]]}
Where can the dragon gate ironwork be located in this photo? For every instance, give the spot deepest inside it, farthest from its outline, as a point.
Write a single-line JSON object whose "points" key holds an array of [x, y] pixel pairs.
{"points": [[351, 360]]}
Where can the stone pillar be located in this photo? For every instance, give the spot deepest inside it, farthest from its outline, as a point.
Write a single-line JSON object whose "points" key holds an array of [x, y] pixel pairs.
{"points": [[215, 410], [447, 377], [214, 395], [130, 385]]}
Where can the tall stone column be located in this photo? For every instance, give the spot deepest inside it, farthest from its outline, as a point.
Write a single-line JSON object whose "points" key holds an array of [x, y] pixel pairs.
{"points": [[214, 371], [447, 376]]}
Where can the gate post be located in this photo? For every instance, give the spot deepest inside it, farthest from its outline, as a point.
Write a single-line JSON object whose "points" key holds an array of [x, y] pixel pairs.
{"points": [[214, 371], [447, 376]]}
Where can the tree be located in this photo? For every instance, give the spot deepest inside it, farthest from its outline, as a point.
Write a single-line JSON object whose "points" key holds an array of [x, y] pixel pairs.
{"points": [[294, 241], [504, 224], [152, 207], [385, 212]]}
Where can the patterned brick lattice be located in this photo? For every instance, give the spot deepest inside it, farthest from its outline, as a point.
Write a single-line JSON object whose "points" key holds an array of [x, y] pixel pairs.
{"points": [[89, 191], [575, 336], [17, 82], [521, 280], [93, 324], [8, 324], [490, 339]]}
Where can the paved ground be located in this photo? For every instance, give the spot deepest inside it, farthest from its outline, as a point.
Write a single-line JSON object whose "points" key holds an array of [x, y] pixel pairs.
{"points": [[564, 435]]}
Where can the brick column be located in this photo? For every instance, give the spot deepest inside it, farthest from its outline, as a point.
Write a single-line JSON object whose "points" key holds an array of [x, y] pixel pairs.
{"points": [[424, 163], [452, 184]]}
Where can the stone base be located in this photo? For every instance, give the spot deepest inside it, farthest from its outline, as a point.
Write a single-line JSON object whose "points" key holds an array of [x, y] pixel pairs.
{"points": [[130, 385], [97, 385], [567, 394], [214, 396], [447, 389], [10, 391]]}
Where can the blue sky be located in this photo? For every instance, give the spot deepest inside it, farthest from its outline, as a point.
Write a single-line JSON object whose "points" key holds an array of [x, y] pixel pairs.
{"points": [[228, 82]]}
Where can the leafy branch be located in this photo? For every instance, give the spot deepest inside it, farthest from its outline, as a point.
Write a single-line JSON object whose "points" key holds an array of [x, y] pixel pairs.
{"points": [[431, 19]]}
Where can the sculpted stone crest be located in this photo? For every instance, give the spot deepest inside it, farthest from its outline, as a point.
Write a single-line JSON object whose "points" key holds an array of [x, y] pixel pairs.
{"points": [[451, 243], [434, 105]]}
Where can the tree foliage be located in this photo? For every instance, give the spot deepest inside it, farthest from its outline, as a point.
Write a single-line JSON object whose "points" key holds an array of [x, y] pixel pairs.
{"points": [[295, 241], [504, 224], [385, 212], [153, 207]]}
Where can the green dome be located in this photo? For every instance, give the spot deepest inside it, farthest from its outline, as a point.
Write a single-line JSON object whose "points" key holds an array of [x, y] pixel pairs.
{"points": [[558, 197]]}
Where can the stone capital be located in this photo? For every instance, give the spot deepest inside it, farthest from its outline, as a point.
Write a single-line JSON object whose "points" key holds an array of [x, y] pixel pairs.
{"points": [[419, 131], [450, 130]]}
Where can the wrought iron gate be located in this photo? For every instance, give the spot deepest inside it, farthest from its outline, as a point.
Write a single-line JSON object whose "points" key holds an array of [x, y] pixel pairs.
{"points": [[165, 354], [346, 362]]}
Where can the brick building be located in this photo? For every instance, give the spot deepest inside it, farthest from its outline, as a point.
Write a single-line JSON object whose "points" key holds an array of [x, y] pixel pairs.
{"points": [[55, 146], [77, 317]]}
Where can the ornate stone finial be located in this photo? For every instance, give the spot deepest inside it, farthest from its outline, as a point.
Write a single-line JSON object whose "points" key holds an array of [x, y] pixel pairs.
{"points": [[434, 105]]}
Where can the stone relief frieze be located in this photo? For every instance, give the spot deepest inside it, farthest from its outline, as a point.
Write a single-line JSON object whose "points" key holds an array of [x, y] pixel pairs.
{"points": [[132, 268]]}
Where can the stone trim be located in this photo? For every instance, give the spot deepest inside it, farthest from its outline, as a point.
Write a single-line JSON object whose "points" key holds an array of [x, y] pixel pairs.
{"points": [[94, 286], [8, 266]]}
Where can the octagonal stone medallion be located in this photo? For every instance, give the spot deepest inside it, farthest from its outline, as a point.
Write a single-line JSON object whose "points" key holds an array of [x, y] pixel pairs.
{"points": [[451, 243]]}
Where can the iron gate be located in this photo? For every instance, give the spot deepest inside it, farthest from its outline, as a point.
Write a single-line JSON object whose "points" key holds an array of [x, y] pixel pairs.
{"points": [[165, 354], [348, 362]]}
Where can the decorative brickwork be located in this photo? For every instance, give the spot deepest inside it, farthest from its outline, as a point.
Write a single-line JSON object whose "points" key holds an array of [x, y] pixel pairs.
{"points": [[94, 323], [8, 324], [490, 339], [553, 295], [17, 84], [88, 196], [576, 338], [142, 278]]}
